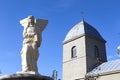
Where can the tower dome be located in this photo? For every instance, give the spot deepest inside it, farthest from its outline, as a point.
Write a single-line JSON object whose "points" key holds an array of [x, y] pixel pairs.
{"points": [[81, 29]]}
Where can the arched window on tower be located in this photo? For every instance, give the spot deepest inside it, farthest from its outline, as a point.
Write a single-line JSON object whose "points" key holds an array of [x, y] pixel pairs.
{"points": [[97, 55], [73, 52]]}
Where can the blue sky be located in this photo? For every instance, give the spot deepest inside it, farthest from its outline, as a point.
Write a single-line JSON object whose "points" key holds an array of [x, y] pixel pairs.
{"points": [[62, 15]]}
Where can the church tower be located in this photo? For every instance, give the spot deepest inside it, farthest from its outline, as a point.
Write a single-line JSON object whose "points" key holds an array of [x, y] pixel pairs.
{"points": [[83, 50]]}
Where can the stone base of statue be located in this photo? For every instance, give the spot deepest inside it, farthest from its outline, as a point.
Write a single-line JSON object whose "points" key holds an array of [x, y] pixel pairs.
{"points": [[25, 76]]}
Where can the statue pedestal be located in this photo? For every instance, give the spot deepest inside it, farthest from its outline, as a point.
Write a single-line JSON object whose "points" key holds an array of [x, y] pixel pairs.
{"points": [[25, 76]]}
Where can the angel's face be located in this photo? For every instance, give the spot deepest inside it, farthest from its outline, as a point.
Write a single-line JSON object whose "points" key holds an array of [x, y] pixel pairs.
{"points": [[31, 21]]}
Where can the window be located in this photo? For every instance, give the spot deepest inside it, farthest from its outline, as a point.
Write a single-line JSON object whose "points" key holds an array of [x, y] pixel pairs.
{"points": [[97, 55], [73, 52], [96, 51]]}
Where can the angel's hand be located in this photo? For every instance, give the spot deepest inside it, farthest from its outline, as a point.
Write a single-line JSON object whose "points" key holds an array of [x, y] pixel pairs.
{"points": [[31, 34]]}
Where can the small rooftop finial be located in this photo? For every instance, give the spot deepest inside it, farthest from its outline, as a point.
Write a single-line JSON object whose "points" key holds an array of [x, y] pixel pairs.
{"points": [[82, 14]]}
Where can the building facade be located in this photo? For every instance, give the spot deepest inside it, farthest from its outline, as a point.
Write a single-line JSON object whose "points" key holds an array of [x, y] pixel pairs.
{"points": [[83, 50]]}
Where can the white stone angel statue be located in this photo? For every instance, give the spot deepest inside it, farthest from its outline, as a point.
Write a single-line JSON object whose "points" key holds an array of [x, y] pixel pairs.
{"points": [[32, 34]]}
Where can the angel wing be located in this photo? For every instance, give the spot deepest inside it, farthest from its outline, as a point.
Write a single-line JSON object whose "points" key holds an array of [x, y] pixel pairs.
{"points": [[40, 25]]}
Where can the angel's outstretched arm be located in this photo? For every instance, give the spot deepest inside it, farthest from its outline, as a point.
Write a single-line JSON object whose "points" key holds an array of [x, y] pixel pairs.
{"points": [[24, 23]]}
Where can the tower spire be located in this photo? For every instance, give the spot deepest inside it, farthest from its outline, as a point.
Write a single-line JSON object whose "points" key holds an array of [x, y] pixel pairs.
{"points": [[82, 15]]}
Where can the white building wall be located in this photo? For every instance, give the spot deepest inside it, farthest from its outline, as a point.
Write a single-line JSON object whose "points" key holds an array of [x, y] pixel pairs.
{"points": [[74, 68]]}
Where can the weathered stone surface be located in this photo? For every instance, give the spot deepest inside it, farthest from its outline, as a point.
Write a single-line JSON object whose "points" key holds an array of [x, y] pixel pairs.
{"points": [[32, 35], [25, 77]]}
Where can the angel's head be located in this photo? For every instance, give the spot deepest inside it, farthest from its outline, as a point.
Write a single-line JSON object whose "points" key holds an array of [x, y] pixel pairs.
{"points": [[31, 20]]}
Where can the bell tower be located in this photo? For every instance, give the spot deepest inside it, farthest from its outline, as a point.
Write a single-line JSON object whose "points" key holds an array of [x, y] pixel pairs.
{"points": [[83, 50]]}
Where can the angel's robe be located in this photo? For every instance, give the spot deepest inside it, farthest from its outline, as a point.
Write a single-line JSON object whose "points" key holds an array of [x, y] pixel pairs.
{"points": [[29, 51]]}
